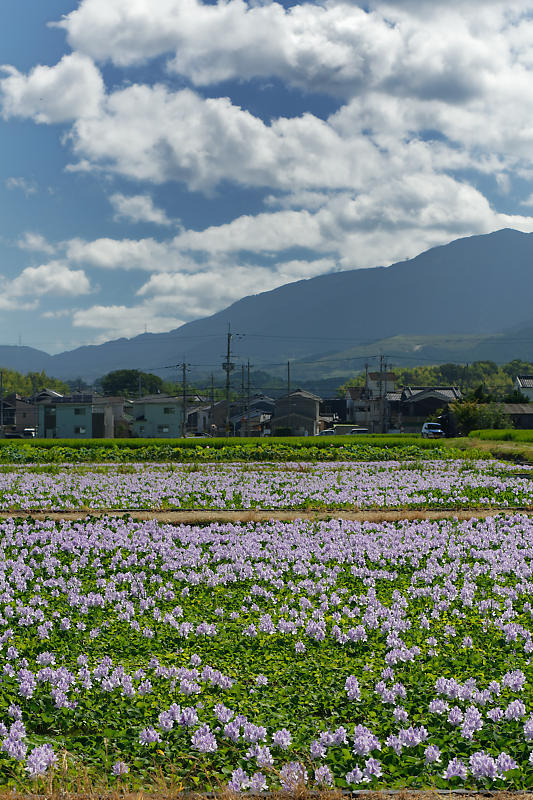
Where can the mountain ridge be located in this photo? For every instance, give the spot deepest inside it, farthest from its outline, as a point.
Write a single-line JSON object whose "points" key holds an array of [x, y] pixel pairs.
{"points": [[474, 286]]}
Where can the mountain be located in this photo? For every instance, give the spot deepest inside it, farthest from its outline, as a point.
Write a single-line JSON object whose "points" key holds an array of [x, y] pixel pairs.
{"points": [[464, 296]]}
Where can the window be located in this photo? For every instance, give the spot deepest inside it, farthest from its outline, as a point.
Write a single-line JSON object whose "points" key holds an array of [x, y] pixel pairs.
{"points": [[169, 410], [162, 428], [80, 429], [79, 411]]}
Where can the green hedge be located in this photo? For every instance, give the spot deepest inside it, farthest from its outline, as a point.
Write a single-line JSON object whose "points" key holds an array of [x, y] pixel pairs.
{"points": [[192, 443], [344, 448]]}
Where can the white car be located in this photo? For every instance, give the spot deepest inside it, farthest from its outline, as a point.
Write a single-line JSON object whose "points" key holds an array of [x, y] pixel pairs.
{"points": [[432, 430]]}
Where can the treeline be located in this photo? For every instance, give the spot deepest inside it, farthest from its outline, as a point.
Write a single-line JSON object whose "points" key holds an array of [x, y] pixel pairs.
{"points": [[31, 383], [491, 381]]}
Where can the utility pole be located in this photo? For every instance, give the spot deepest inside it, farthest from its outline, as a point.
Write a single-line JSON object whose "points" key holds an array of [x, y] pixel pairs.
{"points": [[212, 399], [381, 396], [140, 385], [2, 402], [184, 367], [289, 395], [228, 366], [248, 403]]}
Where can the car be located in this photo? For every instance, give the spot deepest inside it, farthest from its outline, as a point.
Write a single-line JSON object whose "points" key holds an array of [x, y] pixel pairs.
{"points": [[358, 430], [326, 432], [432, 430]]}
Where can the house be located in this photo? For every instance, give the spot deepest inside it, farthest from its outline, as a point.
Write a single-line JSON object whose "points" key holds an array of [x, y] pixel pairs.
{"points": [[17, 413], [410, 408], [296, 414], [79, 416], [158, 417], [524, 384], [521, 414]]}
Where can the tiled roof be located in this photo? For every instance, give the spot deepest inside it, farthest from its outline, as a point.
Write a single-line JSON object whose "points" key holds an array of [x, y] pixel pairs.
{"points": [[446, 393], [518, 408], [525, 381]]}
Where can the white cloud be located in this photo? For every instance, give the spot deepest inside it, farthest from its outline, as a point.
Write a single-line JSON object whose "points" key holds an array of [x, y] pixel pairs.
{"points": [[53, 278], [72, 89], [113, 321], [138, 208], [335, 46], [26, 186], [35, 242]]}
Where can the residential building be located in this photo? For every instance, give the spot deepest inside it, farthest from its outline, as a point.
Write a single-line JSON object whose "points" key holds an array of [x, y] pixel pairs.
{"points": [[79, 416], [524, 384], [296, 414], [158, 417]]}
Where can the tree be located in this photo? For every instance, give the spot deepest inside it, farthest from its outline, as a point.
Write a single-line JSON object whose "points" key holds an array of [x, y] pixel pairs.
{"points": [[471, 416], [127, 381], [26, 385]]}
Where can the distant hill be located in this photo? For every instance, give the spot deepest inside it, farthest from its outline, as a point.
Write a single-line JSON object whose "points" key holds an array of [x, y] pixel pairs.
{"points": [[468, 299]]}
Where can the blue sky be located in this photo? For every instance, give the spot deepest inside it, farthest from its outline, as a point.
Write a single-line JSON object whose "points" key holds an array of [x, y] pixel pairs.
{"points": [[160, 160]]}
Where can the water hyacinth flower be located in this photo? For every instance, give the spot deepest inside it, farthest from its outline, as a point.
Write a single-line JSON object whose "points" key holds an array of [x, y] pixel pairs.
{"points": [[149, 736], [203, 740], [119, 768], [293, 776], [455, 769], [323, 776], [39, 760], [282, 738]]}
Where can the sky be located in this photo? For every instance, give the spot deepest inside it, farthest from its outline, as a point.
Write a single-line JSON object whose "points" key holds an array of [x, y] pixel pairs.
{"points": [[160, 159]]}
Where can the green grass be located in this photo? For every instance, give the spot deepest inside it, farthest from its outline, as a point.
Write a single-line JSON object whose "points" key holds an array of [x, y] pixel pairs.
{"points": [[503, 435]]}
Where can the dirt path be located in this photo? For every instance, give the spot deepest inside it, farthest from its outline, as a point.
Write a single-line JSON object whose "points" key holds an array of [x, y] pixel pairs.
{"points": [[206, 517]]}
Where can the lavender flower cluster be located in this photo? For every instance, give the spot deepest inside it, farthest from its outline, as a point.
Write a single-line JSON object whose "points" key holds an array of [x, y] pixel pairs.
{"points": [[266, 486], [328, 654]]}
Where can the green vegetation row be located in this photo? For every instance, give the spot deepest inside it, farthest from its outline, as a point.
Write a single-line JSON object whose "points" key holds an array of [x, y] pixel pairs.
{"points": [[505, 435], [337, 448]]}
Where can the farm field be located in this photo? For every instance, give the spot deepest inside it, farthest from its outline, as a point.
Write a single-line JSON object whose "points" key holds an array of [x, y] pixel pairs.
{"points": [[430, 484], [357, 655]]}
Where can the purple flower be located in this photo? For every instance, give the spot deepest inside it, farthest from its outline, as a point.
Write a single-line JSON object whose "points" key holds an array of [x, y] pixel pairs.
{"points": [[39, 760], [149, 736], [372, 769], [432, 754], [203, 740], [323, 776], [515, 710], [483, 766], [352, 688], [258, 782], [119, 768], [282, 738], [355, 776], [293, 775], [239, 780], [455, 769]]}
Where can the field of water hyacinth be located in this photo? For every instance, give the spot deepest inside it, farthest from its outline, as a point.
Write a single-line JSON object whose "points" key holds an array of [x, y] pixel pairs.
{"points": [[338, 653], [338, 485]]}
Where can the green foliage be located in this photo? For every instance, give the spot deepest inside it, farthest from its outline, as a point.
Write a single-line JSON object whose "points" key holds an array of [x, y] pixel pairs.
{"points": [[496, 381], [341, 448], [471, 415], [126, 382], [26, 385]]}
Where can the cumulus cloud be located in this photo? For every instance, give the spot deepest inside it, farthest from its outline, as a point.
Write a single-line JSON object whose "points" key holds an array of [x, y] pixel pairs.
{"points": [[138, 208], [121, 320], [335, 46], [70, 90], [54, 278], [36, 242]]}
